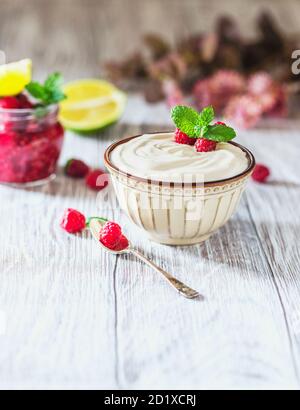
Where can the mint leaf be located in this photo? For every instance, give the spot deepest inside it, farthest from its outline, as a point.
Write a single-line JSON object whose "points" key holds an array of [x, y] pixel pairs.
{"points": [[207, 115], [54, 96], [54, 81], [187, 120], [50, 92], [36, 90], [219, 133], [197, 125], [40, 112]]}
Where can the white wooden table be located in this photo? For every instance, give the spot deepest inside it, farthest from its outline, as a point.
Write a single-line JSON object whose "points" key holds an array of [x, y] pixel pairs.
{"points": [[79, 318], [72, 316]]}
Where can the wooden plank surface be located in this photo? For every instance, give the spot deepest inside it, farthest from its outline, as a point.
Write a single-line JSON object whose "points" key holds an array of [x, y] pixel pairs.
{"points": [[74, 317]]}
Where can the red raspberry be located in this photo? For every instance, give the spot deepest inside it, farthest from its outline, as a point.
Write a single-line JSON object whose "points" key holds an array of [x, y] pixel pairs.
{"points": [[59, 130], [182, 138], [111, 234], [204, 145], [8, 138], [260, 173], [9, 103], [73, 221], [24, 102], [75, 168], [122, 244], [96, 180], [220, 123]]}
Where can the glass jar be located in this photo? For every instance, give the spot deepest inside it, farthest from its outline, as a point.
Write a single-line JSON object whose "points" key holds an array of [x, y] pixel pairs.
{"points": [[30, 144]]}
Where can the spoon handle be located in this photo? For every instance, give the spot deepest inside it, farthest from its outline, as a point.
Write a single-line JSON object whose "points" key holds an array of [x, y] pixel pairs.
{"points": [[179, 286]]}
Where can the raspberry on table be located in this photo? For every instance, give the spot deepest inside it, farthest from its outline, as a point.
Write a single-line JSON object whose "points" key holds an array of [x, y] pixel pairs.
{"points": [[260, 173], [9, 103], [75, 168], [73, 221], [110, 235], [182, 138], [96, 180], [205, 145]]}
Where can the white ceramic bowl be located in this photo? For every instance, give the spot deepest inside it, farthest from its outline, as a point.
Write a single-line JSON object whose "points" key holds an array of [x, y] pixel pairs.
{"points": [[177, 214]]}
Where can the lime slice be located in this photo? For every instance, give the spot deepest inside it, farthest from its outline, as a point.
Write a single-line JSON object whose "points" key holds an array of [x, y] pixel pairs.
{"points": [[14, 77], [91, 105]]}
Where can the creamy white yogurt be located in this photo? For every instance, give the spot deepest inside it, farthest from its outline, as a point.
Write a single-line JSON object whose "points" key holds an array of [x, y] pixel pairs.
{"points": [[158, 157]]}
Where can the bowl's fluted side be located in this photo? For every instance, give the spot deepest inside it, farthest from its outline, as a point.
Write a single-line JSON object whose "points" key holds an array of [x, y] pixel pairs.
{"points": [[178, 216]]}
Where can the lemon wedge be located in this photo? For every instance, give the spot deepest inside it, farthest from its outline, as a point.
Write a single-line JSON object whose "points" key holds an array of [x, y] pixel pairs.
{"points": [[14, 77], [91, 105]]}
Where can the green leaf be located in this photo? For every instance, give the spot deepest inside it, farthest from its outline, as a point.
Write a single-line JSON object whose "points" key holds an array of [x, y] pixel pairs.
{"points": [[203, 130], [207, 115], [95, 217], [36, 90], [196, 125], [219, 133], [54, 81], [40, 112], [55, 95], [187, 120], [50, 92]]}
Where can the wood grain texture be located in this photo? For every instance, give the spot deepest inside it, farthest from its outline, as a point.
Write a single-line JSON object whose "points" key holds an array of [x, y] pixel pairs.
{"points": [[74, 317]]}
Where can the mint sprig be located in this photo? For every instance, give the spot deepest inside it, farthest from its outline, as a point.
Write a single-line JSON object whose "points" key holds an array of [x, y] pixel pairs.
{"points": [[197, 125], [48, 93], [207, 115], [187, 120], [219, 133]]}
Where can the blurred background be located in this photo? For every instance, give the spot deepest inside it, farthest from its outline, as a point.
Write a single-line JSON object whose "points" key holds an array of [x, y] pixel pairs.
{"points": [[77, 35], [163, 49]]}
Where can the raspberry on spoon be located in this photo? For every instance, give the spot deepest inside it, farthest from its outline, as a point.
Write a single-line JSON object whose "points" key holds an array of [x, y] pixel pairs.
{"points": [[110, 235], [205, 145], [122, 244], [182, 138], [73, 221], [111, 238]]}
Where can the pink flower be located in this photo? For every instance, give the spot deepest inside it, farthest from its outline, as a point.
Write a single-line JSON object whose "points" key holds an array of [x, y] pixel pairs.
{"points": [[218, 89], [259, 83], [280, 105], [173, 93], [204, 94], [270, 95], [228, 82], [244, 102], [244, 111]]}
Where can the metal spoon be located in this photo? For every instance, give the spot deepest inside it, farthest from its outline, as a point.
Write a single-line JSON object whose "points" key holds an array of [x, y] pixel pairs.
{"points": [[96, 225]]}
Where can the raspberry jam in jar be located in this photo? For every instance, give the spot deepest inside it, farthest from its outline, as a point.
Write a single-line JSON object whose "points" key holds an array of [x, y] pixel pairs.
{"points": [[30, 144]]}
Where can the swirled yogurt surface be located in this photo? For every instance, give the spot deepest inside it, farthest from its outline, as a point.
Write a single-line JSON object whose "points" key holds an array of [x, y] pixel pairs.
{"points": [[159, 157]]}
